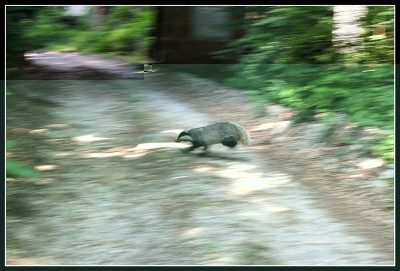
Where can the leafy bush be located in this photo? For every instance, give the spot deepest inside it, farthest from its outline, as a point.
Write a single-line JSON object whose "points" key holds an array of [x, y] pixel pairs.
{"points": [[124, 30], [16, 25], [46, 28], [15, 169], [385, 148], [288, 57], [379, 35], [30, 28]]}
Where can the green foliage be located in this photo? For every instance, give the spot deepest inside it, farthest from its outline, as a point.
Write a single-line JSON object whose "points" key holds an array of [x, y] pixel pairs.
{"points": [[379, 35], [295, 35], [15, 169], [288, 58], [16, 24], [11, 249], [49, 27], [388, 208], [386, 148], [30, 28], [10, 144], [124, 30]]}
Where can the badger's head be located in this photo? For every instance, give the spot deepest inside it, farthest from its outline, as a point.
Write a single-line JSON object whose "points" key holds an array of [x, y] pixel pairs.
{"points": [[184, 136]]}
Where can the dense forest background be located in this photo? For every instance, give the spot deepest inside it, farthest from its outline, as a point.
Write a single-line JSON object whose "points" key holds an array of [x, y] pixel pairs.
{"points": [[297, 63]]}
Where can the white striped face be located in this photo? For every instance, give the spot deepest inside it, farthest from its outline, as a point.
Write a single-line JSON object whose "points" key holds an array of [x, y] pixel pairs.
{"points": [[184, 137]]}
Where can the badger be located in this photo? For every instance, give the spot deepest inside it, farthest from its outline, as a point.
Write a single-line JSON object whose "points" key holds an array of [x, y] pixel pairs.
{"points": [[227, 133]]}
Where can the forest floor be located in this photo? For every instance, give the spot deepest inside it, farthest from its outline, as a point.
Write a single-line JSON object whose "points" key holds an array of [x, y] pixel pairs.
{"points": [[114, 188]]}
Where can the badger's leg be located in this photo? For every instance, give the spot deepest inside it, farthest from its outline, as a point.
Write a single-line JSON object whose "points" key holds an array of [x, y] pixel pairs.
{"points": [[229, 142]]}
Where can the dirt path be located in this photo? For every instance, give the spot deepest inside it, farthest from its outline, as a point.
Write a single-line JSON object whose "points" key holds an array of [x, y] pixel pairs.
{"points": [[119, 192]]}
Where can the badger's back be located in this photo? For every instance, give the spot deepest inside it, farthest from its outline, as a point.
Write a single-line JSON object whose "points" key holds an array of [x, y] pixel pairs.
{"points": [[220, 132]]}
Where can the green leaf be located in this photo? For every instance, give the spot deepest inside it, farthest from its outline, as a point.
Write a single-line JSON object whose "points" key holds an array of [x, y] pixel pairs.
{"points": [[14, 169]]}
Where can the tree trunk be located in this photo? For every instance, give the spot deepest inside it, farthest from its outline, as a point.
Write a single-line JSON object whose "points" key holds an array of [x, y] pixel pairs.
{"points": [[98, 14], [347, 33]]}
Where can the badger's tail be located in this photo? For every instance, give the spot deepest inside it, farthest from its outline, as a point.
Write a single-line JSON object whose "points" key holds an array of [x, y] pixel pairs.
{"points": [[244, 135]]}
